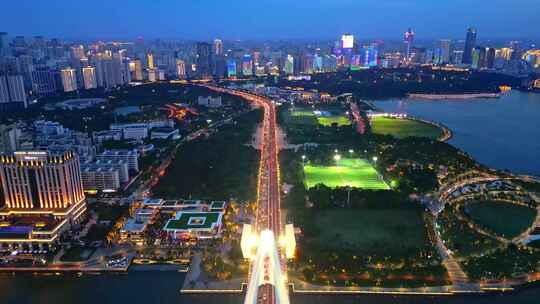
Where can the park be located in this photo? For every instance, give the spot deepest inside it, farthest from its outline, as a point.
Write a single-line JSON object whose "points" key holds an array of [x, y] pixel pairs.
{"points": [[404, 127]]}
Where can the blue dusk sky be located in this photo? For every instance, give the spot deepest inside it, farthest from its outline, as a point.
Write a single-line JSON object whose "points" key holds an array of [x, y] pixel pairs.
{"points": [[268, 19]]}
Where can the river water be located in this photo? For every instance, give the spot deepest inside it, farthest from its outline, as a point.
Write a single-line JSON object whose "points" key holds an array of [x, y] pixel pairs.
{"points": [[502, 133], [163, 287]]}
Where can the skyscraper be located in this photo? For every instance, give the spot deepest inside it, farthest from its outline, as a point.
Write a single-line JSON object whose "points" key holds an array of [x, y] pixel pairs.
{"points": [[180, 69], [247, 65], [288, 67], [442, 51], [3, 43], [69, 80], [150, 59], [231, 67], [218, 47], [204, 59], [408, 39], [77, 52], [89, 77], [135, 67], [470, 44]]}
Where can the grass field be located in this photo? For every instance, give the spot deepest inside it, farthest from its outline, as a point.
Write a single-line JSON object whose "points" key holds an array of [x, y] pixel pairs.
{"points": [[352, 172], [387, 231], [339, 120], [307, 117], [402, 128], [503, 218]]}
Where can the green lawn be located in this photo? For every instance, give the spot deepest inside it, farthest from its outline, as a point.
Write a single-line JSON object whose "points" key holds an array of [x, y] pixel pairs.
{"points": [[356, 173], [402, 128], [307, 117], [503, 218], [386, 231], [329, 121], [208, 219]]}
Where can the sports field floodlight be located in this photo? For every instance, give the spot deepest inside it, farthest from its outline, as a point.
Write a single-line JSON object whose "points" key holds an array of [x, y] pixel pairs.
{"points": [[375, 158], [337, 157], [351, 151]]}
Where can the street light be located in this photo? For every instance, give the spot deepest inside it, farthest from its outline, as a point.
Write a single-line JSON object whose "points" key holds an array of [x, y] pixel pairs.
{"points": [[337, 157], [303, 160], [375, 158]]}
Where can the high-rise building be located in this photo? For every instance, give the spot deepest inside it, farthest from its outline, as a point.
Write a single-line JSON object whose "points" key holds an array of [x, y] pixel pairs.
{"points": [[470, 44], [490, 58], [3, 43], [204, 60], [408, 39], [43, 197], [43, 82], [180, 69], [89, 76], [247, 65], [218, 47], [69, 80], [150, 60], [442, 51], [479, 57], [135, 67], [457, 57], [16, 89], [347, 41], [77, 52], [12, 92], [288, 67], [231, 67]]}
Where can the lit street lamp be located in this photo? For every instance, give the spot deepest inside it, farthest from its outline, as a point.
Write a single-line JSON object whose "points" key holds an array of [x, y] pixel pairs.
{"points": [[303, 161], [375, 158], [337, 157]]}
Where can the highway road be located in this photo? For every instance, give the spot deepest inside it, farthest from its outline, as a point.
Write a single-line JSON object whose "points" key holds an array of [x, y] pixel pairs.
{"points": [[268, 216]]}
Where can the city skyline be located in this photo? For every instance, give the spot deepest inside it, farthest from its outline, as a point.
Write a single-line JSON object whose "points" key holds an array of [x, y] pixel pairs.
{"points": [[269, 20]]}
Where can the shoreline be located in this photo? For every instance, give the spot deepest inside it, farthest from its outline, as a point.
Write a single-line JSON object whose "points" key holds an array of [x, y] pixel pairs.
{"points": [[457, 97]]}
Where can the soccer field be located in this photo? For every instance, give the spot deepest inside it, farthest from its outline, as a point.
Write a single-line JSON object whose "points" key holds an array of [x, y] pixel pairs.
{"points": [[402, 128], [308, 117], [339, 120], [354, 172]]}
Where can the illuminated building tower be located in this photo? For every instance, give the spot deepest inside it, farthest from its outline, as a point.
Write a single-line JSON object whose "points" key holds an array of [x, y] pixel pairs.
{"points": [[43, 197], [204, 60], [247, 65], [43, 81], [69, 80], [150, 59], [218, 47], [231, 67], [180, 69], [408, 39], [470, 44], [288, 67], [506, 53], [442, 51], [347, 46], [479, 58], [135, 66], [89, 77]]}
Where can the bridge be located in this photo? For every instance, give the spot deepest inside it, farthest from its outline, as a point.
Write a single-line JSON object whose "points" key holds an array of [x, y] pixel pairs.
{"points": [[267, 243]]}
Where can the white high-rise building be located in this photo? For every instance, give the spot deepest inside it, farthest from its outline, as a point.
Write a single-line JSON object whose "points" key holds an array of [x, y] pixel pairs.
{"points": [[218, 47], [69, 80], [89, 77], [12, 89], [289, 65]]}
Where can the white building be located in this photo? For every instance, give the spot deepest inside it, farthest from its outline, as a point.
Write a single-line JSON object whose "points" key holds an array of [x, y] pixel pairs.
{"points": [[69, 80], [131, 157], [180, 69], [164, 133], [209, 101], [100, 178]]}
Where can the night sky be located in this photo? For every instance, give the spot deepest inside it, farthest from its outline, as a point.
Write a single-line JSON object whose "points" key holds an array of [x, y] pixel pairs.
{"points": [[268, 19]]}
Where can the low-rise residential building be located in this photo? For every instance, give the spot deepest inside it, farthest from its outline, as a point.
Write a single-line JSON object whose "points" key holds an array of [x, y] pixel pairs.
{"points": [[107, 135]]}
